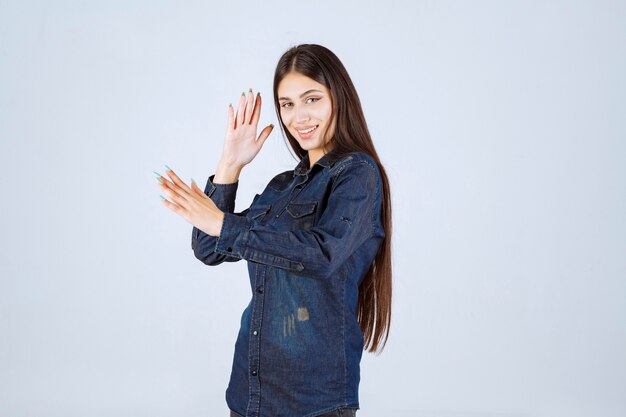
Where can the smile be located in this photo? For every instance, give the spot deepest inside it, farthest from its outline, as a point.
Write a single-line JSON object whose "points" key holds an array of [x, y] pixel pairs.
{"points": [[308, 130]]}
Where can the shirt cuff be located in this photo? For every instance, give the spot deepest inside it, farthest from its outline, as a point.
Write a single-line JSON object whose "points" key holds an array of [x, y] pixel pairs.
{"points": [[233, 235], [223, 195]]}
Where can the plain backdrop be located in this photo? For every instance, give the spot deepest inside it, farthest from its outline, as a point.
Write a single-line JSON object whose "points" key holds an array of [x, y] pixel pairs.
{"points": [[501, 125]]}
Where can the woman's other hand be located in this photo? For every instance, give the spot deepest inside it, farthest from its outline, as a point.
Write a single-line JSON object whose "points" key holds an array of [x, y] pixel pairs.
{"points": [[192, 204], [241, 144]]}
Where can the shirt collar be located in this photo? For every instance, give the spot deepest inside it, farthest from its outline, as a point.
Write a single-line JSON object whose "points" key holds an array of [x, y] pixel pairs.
{"points": [[327, 160]]}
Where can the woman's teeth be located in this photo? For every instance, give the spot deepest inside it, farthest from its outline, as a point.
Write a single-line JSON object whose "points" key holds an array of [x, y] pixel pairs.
{"points": [[307, 131]]}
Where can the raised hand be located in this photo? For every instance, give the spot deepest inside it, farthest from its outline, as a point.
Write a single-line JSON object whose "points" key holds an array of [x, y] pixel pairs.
{"points": [[241, 144]]}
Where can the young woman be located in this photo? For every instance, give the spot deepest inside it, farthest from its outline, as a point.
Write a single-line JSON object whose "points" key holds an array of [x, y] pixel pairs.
{"points": [[317, 242]]}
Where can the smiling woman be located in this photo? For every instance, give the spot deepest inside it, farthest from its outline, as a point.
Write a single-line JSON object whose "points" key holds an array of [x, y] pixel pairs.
{"points": [[307, 112], [316, 239]]}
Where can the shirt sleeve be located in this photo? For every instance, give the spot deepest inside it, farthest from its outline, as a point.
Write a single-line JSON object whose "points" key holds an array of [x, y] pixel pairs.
{"points": [[346, 223], [203, 245]]}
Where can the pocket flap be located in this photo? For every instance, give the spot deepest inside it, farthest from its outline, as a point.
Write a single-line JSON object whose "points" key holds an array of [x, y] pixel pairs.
{"points": [[301, 208], [258, 211]]}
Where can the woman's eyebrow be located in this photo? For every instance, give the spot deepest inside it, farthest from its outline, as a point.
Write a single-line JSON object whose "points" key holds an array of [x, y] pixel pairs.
{"points": [[301, 95]]}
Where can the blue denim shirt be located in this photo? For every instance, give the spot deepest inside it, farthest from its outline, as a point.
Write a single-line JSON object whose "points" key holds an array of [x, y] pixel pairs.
{"points": [[309, 238]]}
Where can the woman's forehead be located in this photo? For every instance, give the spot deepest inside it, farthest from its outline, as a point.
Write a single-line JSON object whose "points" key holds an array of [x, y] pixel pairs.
{"points": [[294, 85]]}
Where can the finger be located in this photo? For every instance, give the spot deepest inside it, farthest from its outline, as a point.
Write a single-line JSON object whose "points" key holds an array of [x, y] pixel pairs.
{"points": [[265, 133], [196, 189], [257, 110], [174, 193], [172, 204], [249, 106], [231, 118], [177, 186], [240, 110], [176, 179]]}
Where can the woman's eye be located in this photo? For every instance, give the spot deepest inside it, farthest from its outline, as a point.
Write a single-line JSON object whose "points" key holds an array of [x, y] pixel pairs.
{"points": [[310, 98]]}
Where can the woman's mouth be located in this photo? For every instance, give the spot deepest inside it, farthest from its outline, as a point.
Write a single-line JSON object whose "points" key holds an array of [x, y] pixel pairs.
{"points": [[307, 133]]}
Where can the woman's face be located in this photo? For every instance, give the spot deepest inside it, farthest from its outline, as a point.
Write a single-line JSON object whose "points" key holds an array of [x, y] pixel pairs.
{"points": [[305, 104]]}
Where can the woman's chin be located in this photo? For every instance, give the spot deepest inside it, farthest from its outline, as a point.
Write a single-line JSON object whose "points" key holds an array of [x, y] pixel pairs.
{"points": [[306, 145]]}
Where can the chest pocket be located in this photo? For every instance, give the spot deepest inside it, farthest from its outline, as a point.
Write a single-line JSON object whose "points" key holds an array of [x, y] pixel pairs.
{"points": [[258, 212], [302, 213]]}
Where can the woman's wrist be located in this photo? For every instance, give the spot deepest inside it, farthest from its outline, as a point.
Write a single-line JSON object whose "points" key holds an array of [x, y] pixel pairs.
{"points": [[226, 173]]}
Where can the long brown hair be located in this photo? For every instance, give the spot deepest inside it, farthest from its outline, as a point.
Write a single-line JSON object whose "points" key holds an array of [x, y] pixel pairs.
{"points": [[351, 134]]}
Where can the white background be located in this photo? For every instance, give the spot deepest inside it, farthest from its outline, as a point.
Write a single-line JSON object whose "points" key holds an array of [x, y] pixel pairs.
{"points": [[501, 125]]}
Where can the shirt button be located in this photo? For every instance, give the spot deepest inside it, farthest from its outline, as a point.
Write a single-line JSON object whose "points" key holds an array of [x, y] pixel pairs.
{"points": [[254, 372], [255, 332], [260, 289], [229, 249]]}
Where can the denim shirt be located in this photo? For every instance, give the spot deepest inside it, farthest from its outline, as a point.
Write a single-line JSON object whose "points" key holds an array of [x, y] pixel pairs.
{"points": [[308, 239]]}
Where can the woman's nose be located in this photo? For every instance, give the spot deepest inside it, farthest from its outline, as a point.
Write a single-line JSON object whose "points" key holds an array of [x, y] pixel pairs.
{"points": [[301, 115]]}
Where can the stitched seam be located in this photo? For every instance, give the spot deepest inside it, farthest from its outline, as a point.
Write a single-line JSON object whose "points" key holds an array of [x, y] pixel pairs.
{"points": [[327, 410], [217, 241], [211, 190], [258, 341], [312, 206], [343, 335], [256, 276], [352, 162], [373, 225]]}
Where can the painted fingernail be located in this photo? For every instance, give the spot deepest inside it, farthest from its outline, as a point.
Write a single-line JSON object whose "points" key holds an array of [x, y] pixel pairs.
{"points": [[230, 104], [167, 167], [272, 126], [243, 94], [250, 90], [159, 180], [258, 93], [163, 198], [157, 174], [193, 181]]}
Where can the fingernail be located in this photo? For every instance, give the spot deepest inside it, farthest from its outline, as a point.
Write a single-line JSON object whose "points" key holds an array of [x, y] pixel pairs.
{"points": [[258, 93], [167, 167], [157, 174], [159, 180], [243, 94], [272, 126], [193, 181], [163, 198], [230, 104], [250, 90]]}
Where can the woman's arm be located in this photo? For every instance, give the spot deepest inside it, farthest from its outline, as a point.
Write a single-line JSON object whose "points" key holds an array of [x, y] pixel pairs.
{"points": [[347, 222], [205, 209], [223, 195]]}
